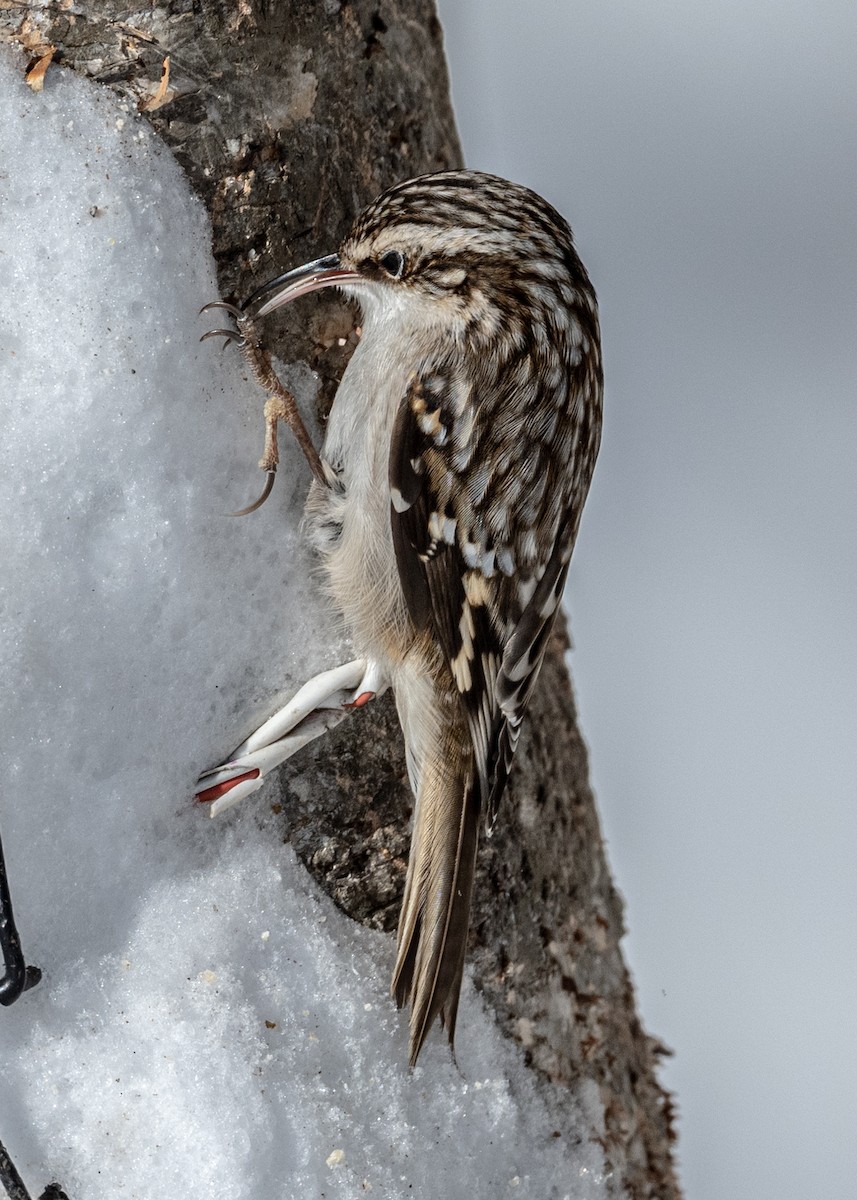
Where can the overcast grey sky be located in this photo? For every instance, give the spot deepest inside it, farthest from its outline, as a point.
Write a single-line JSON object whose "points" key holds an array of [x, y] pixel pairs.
{"points": [[705, 154]]}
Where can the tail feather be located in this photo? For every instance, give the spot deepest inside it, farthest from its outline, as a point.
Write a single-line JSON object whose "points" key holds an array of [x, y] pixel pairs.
{"points": [[436, 908]]}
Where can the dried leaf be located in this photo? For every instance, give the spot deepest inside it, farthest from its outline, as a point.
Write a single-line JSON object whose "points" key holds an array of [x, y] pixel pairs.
{"points": [[161, 96], [35, 77], [28, 34]]}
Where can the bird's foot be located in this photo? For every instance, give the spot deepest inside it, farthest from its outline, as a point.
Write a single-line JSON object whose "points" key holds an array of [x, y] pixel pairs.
{"points": [[281, 405], [320, 704]]}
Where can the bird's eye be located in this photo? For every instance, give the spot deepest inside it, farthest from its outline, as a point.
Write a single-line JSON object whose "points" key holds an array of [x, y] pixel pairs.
{"points": [[393, 263]]}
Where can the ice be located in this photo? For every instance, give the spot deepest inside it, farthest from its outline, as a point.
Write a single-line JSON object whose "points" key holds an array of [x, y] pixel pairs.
{"points": [[208, 1023]]}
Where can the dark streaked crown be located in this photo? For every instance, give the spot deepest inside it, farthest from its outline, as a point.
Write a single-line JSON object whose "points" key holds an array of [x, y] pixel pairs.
{"points": [[461, 231], [473, 202]]}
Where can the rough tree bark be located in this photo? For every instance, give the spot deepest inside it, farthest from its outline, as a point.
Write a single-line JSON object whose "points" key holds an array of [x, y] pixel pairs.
{"points": [[288, 118]]}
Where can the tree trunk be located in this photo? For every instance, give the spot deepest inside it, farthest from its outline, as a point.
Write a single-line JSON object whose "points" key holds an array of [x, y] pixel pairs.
{"points": [[288, 119]]}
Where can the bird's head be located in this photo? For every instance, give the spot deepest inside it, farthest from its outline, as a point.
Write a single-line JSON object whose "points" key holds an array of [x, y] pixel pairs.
{"points": [[460, 252]]}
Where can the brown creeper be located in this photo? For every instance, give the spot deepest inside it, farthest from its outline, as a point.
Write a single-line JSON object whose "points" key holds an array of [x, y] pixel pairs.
{"points": [[459, 453]]}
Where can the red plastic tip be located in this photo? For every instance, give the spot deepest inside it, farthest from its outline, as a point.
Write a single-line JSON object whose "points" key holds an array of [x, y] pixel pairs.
{"points": [[220, 789]]}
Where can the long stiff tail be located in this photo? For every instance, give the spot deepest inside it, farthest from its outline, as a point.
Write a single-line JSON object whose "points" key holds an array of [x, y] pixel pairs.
{"points": [[435, 914]]}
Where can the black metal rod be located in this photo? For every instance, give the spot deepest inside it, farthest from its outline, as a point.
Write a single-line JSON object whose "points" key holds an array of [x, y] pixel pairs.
{"points": [[17, 976], [14, 1186], [10, 1179]]}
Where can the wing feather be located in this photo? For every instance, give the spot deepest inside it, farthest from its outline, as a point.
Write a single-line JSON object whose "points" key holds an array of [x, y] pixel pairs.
{"points": [[483, 515]]}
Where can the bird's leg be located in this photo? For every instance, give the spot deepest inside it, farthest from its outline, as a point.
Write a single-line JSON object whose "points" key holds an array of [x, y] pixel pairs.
{"points": [[275, 410], [281, 401], [320, 704]]}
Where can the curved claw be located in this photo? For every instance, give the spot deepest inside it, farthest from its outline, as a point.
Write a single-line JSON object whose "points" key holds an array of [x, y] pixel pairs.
{"points": [[266, 491], [231, 335], [230, 308]]}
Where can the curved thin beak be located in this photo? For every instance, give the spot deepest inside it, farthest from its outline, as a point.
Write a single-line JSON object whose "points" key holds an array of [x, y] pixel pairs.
{"points": [[324, 272]]}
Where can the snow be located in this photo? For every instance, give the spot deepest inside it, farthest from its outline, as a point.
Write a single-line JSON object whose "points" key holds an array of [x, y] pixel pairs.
{"points": [[208, 1023]]}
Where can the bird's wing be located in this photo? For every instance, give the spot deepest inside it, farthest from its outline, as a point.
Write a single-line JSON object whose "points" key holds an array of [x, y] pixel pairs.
{"points": [[483, 523]]}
